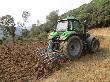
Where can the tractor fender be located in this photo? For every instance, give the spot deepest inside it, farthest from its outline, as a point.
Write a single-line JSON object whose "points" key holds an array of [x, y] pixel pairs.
{"points": [[90, 39], [72, 34], [66, 35]]}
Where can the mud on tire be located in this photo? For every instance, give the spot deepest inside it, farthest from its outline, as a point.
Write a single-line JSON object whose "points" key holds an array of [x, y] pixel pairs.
{"points": [[73, 47]]}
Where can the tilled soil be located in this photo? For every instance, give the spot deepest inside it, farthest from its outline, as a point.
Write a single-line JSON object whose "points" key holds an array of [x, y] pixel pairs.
{"points": [[21, 62]]}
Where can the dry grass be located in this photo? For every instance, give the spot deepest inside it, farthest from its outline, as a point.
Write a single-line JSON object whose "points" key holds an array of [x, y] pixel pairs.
{"points": [[101, 31], [89, 68]]}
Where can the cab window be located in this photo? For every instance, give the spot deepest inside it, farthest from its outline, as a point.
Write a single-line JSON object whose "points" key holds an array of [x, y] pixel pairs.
{"points": [[74, 25]]}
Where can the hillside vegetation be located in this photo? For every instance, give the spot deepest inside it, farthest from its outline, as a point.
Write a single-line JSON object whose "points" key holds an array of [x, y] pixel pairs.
{"points": [[94, 14]]}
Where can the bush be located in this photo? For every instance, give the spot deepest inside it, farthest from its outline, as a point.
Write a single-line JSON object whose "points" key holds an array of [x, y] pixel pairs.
{"points": [[43, 36]]}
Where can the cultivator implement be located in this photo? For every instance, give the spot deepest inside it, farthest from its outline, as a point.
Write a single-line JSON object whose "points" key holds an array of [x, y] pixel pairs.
{"points": [[48, 57]]}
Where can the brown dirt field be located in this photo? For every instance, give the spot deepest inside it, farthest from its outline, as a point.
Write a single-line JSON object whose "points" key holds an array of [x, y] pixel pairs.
{"points": [[19, 62]]}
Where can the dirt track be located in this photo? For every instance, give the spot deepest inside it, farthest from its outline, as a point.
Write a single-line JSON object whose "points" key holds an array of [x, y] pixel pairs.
{"points": [[19, 63]]}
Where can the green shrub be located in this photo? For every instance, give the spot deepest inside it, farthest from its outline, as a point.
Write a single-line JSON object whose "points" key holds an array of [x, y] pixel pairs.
{"points": [[42, 36]]}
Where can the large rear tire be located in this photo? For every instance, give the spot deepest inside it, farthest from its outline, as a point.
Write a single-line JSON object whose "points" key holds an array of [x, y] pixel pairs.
{"points": [[73, 47]]}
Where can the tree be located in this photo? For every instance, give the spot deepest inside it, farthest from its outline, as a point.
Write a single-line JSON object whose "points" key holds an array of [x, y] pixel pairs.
{"points": [[51, 20], [52, 16], [38, 23], [35, 30], [25, 16], [7, 25], [25, 33]]}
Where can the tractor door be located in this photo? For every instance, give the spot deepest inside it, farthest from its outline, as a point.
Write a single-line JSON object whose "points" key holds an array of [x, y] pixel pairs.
{"points": [[74, 25]]}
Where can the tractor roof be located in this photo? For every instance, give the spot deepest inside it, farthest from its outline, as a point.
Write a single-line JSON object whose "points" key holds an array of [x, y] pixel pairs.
{"points": [[71, 17], [68, 18]]}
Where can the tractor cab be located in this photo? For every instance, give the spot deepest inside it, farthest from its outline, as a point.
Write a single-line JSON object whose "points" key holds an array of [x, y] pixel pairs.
{"points": [[69, 24]]}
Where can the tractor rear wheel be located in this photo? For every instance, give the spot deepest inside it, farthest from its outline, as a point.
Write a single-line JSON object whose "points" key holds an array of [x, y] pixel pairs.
{"points": [[73, 47], [95, 44]]}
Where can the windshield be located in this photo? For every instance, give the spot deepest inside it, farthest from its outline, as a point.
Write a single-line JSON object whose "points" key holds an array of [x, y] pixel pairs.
{"points": [[62, 26]]}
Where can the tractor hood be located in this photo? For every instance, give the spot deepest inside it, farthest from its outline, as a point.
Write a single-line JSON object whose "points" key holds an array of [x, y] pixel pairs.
{"points": [[53, 35], [62, 35]]}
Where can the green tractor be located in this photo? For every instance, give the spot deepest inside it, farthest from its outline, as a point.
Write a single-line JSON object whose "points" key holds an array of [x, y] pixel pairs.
{"points": [[71, 37]]}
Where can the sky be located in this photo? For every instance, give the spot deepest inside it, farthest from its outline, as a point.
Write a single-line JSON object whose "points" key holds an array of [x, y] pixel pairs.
{"points": [[38, 9]]}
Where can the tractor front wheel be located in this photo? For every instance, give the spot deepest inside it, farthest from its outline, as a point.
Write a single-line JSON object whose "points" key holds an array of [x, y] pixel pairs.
{"points": [[73, 47]]}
